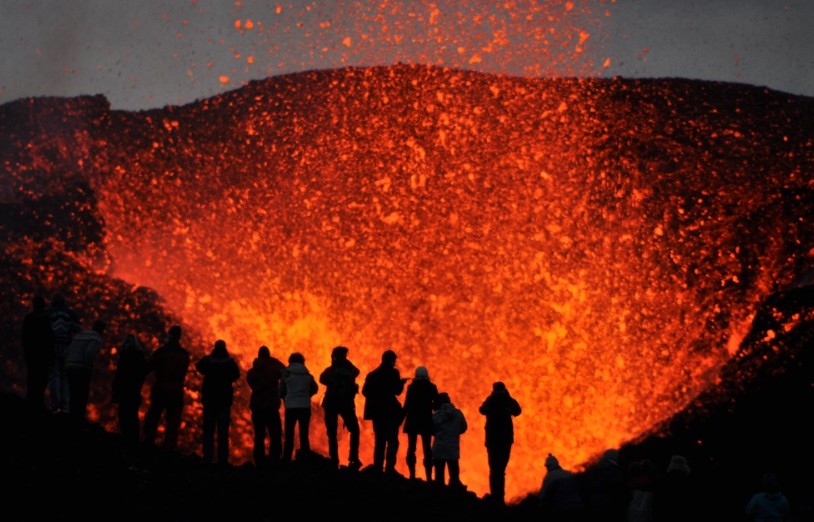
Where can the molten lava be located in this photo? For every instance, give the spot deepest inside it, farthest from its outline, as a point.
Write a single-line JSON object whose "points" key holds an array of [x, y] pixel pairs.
{"points": [[599, 246]]}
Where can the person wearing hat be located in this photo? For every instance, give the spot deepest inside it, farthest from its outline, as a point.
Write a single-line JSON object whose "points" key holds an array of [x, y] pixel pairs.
{"points": [[170, 363], [676, 497], [560, 495], [381, 389], [420, 401], [341, 388], [499, 408]]}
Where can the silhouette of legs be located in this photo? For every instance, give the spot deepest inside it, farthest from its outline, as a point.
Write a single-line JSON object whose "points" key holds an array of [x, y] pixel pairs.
{"points": [[498, 460]]}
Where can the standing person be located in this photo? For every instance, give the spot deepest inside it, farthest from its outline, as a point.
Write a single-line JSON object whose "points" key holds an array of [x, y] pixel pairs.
{"points": [[79, 360], [131, 370], [381, 389], [560, 495], [675, 498], [220, 371], [604, 489], [65, 324], [420, 401], [642, 481], [264, 380], [769, 505], [297, 388], [341, 388], [170, 363], [448, 424], [38, 351], [499, 408]]}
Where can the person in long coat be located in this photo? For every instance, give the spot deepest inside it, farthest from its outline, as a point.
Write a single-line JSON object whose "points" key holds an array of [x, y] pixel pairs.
{"points": [[420, 401], [220, 371], [264, 380], [499, 408], [38, 350], [170, 363], [131, 371]]}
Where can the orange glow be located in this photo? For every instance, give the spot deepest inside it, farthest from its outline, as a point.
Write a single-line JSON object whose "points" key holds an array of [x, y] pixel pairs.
{"points": [[468, 222], [587, 243]]}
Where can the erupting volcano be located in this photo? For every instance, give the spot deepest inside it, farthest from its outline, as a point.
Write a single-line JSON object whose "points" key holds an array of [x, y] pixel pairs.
{"points": [[601, 246]]}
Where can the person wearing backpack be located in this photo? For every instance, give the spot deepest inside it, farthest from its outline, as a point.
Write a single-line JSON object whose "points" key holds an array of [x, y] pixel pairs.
{"points": [[341, 388]]}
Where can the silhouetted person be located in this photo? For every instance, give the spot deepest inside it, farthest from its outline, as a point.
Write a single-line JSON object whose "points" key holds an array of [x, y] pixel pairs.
{"points": [[170, 363], [80, 359], [448, 424], [131, 371], [769, 505], [264, 380], [220, 371], [341, 388], [297, 388], [499, 408], [38, 351], [420, 401], [605, 489], [65, 324], [381, 389], [675, 500], [642, 481], [559, 495]]}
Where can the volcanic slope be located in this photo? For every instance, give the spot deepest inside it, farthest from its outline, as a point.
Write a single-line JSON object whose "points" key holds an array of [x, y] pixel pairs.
{"points": [[602, 246]]}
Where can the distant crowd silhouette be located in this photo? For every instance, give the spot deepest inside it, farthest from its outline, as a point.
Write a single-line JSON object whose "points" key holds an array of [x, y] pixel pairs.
{"points": [[60, 355]]}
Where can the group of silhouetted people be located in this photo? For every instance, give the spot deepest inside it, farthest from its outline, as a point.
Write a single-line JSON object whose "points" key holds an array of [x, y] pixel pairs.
{"points": [[60, 355]]}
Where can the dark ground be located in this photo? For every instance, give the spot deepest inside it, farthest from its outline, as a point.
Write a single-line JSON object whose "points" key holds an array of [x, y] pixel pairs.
{"points": [[757, 419]]}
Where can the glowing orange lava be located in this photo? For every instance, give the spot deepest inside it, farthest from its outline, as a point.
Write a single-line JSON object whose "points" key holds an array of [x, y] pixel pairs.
{"points": [[549, 234]]}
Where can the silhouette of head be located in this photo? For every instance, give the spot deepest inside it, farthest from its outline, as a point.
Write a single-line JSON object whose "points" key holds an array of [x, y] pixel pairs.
{"points": [[612, 456], [389, 357], [339, 353], [770, 483], [498, 387], [443, 398], [220, 349], [551, 462], [296, 357], [175, 333], [422, 373], [264, 352], [131, 342]]}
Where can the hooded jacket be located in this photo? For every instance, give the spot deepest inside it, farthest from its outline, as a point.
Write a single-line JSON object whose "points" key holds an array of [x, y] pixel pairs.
{"points": [[264, 380], [219, 371], [448, 425], [299, 386], [499, 408]]}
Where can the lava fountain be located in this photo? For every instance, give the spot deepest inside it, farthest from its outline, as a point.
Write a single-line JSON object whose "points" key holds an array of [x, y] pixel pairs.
{"points": [[599, 246]]}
